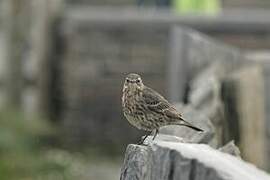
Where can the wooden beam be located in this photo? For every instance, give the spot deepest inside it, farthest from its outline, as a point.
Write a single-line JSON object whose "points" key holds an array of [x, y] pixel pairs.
{"points": [[229, 21]]}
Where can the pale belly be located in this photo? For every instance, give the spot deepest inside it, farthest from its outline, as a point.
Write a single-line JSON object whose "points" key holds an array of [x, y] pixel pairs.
{"points": [[133, 120]]}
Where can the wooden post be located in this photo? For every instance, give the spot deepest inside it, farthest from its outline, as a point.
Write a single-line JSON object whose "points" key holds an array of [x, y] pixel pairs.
{"points": [[263, 58], [13, 47], [177, 68], [41, 54], [243, 96]]}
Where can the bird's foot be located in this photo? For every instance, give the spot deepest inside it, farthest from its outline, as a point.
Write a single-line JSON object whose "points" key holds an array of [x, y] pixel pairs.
{"points": [[141, 142]]}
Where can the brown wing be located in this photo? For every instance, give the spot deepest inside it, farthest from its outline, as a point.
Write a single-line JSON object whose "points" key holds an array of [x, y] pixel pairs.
{"points": [[155, 102], [159, 104]]}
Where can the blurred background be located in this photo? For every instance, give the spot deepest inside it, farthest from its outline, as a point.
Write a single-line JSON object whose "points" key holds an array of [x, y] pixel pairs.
{"points": [[63, 63]]}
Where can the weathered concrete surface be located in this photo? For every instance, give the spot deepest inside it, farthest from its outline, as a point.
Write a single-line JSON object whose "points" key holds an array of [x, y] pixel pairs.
{"points": [[174, 160]]}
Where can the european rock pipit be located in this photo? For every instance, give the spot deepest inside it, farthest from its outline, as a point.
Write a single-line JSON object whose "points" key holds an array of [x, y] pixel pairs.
{"points": [[146, 109]]}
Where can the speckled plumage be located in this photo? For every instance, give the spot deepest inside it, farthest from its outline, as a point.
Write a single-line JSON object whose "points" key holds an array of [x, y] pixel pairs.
{"points": [[146, 109]]}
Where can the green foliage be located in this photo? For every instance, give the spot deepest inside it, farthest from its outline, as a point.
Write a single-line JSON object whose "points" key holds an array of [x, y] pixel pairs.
{"points": [[24, 154], [197, 6], [18, 133]]}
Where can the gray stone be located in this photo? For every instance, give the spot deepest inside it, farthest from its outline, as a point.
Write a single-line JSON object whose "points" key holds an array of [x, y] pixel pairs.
{"points": [[174, 161], [231, 148], [162, 137], [202, 71], [189, 135], [204, 95], [187, 64]]}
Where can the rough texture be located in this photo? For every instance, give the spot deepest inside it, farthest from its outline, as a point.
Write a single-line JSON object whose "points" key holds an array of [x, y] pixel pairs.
{"points": [[171, 161], [230, 148], [204, 95], [189, 67]]}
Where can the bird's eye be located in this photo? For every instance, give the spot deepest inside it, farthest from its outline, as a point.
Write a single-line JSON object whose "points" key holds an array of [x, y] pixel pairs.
{"points": [[137, 81], [128, 81]]}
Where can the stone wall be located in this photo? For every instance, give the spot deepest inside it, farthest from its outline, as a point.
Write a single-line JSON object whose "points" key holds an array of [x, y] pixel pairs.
{"points": [[76, 71], [100, 49], [93, 69]]}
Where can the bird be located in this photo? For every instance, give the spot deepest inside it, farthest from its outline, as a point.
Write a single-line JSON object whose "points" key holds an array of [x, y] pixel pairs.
{"points": [[146, 109]]}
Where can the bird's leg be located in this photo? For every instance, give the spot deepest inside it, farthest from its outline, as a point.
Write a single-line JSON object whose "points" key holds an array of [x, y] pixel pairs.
{"points": [[155, 134], [142, 140]]}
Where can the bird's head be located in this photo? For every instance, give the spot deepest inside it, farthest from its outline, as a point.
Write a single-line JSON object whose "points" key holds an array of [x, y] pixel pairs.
{"points": [[133, 82]]}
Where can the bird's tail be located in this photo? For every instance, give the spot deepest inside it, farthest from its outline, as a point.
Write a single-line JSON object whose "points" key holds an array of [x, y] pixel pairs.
{"points": [[187, 124]]}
